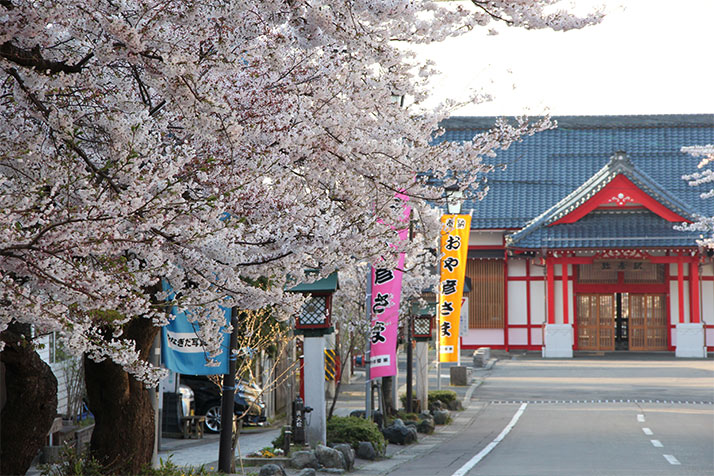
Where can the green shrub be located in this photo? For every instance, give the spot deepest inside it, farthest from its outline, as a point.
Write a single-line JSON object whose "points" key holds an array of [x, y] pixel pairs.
{"points": [[444, 396], [73, 463], [352, 430], [169, 468]]}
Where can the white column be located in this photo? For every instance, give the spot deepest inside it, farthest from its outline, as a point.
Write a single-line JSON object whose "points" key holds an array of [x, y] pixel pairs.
{"points": [[314, 352], [421, 355]]}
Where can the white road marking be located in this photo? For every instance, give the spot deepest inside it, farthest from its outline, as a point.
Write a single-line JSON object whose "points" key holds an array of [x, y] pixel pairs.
{"points": [[481, 454], [671, 459], [657, 443], [647, 431], [640, 418]]}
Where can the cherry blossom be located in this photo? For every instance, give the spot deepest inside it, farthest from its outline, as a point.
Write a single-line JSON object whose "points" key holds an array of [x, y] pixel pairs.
{"points": [[213, 143]]}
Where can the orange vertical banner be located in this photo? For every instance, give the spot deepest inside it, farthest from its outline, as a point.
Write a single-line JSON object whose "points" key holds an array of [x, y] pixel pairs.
{"points": [[454, 252]]}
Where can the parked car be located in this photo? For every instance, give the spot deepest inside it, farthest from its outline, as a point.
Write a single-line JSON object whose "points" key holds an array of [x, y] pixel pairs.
{"points": [[247, 402]]}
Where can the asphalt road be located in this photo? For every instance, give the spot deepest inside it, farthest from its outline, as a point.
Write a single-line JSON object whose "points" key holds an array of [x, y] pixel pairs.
{"points": [[623, 415]]}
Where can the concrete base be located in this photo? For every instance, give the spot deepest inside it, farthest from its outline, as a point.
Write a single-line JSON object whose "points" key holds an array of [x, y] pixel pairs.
{"points": [[690, 341], [558, 340], [314, 358], [460, 376]]}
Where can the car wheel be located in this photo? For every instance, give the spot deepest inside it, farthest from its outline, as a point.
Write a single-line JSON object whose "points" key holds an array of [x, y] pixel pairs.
{"points": [[213, 419]]}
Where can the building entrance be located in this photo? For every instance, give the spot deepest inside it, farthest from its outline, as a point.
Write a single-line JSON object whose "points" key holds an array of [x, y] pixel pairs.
{"points": [[621, 321]]}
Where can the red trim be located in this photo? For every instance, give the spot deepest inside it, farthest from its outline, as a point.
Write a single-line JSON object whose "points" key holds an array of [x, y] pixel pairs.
{"points": [[630, 193], [486, 247], [528, 300], [551, 291], [526, 278], [302, 378], [619, 288], [694, 291], [564, 279], [505, 299], [680, 290]]}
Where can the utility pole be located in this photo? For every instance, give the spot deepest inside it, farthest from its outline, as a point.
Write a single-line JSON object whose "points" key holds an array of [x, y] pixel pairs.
{"points": [[225, 447], [368, 379]]}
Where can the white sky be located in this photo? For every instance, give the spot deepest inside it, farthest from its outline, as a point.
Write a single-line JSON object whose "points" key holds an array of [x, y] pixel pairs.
{"points": [[646, 57]]}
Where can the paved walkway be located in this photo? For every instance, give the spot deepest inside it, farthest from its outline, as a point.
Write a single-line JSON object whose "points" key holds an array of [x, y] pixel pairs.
{"points": [[205, 451]]}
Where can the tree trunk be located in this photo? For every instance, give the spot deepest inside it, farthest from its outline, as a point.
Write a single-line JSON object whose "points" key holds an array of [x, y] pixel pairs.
{"points": [[30, 405], [389, 407], [123, 437]]}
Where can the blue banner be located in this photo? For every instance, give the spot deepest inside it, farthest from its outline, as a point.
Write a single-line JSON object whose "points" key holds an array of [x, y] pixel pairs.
{"points": [[183, 352]]}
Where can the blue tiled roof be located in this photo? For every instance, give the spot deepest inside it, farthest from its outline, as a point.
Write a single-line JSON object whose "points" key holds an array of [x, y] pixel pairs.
{"points": [[610, 229], [546, 167]]}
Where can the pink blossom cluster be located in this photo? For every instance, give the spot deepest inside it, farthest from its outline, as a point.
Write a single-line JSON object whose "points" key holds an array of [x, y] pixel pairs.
{"points": [[210, 144]]}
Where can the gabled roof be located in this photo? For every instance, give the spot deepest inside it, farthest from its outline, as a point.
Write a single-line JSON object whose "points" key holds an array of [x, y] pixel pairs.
{"points": [[588, 196], [540, 171]]}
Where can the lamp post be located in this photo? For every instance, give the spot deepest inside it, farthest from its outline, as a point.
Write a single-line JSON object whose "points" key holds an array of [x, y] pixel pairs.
{"points": [[314, 322], [421, 327]]}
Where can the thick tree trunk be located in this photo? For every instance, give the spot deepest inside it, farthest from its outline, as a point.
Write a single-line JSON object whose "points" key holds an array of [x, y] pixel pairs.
{"points": [[123, 437], [30, 405], [389, 407]]}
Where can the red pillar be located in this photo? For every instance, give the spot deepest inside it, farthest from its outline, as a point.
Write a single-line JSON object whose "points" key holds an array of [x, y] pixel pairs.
{"points": [[550, 271], [565, 293], [680, 288], [694, 291]]}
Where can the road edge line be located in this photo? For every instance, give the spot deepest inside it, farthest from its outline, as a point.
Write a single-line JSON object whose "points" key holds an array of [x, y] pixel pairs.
{"points": [[482, 454]]}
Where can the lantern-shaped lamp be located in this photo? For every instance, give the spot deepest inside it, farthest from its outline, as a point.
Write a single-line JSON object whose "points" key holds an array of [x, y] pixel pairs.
{"points": [[317, 308], [422, 321], [422, 327]]}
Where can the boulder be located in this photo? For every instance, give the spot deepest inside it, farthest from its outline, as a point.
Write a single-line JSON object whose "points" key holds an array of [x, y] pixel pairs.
{"points": [[399, 433], [271, 470], [426, 425], [307, 472], [436, 405], [357, 413], [441, 417], [330, 457], [456, 406], [365, 450], [304, 459], [348, 453]]}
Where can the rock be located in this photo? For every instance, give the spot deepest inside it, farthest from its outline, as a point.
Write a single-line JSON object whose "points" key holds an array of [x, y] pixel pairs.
{"points": [[436, 405], [307, 472], [399, 433], [304, 459], [378, 418], [426, 425], [366, 450], [441, 417], [330, 457], [271, 470], [348, 453], [455, 405], [357, 413]]}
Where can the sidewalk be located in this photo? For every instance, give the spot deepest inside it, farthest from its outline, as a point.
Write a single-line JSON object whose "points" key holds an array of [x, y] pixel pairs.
{"points": [[205, 451]]}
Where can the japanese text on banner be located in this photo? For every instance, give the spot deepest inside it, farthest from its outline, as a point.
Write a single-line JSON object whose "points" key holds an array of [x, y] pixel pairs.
{"points": [[452, 270]]}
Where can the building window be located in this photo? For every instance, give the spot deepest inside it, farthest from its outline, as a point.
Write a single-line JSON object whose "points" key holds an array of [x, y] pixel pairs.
{"points": [[486, 299]]}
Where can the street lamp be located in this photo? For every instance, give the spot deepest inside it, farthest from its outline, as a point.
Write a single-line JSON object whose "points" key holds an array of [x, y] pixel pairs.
{"points": [[314, 323], [454, 199]]}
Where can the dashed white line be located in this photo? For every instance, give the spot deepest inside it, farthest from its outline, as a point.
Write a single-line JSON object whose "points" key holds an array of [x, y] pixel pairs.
{"points": [[671, 459], [481, 454], [640, 418], [657, 443], [647, 431]]}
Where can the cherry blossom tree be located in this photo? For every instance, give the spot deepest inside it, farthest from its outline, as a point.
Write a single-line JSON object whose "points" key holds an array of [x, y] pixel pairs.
{"points": [[210, 144], [704, 177]]}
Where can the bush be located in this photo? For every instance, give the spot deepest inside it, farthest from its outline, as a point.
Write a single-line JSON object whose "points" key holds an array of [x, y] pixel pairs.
{"points": [[444, 396], [352, 430]]}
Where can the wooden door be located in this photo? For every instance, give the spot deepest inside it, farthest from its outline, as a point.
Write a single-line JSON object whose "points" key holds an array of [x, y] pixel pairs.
{"points": [[596, 321], [648, 322]]}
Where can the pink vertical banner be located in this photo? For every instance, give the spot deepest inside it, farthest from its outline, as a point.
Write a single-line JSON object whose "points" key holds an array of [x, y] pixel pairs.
{"points": [[384, 325]]}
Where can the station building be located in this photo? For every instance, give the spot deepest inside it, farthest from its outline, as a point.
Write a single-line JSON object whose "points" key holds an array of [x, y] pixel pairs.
{"points": [[574, 248]]}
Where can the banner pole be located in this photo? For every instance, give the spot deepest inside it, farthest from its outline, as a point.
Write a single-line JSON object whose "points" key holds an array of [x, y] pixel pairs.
{"points": [[367, 354]]}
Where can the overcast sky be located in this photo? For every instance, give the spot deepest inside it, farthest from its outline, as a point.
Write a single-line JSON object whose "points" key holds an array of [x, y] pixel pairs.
{"points": [[647, 57]]}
